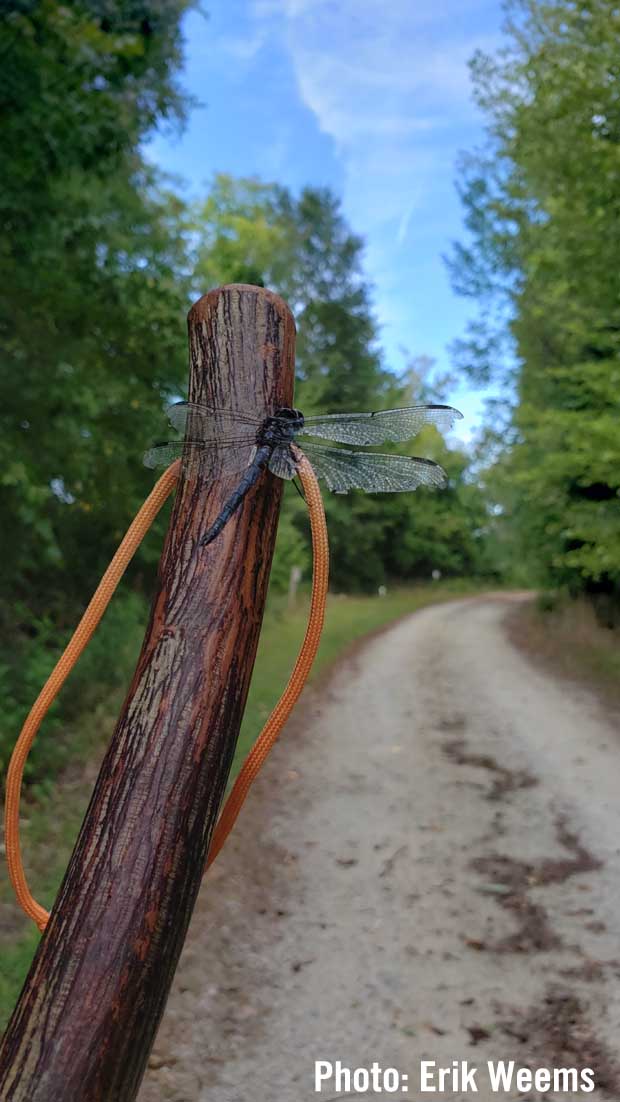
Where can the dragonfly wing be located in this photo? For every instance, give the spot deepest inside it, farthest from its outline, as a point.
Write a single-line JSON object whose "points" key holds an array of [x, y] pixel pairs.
{"points": [[283, 463], [207, 422], [383, 425], [213, 437], [234, 455], [162, 455], [345, 470]]}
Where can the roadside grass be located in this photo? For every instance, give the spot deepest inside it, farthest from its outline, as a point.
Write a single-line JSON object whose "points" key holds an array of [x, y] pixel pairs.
{"points": [[567, 637], [53, 807]]}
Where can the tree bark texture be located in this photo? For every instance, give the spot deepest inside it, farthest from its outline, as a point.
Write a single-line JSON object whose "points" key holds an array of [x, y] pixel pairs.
{"points": [[87, 1016]]}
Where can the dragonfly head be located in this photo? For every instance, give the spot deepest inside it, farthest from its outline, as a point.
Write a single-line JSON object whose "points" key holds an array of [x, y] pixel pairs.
{"points": [[293, 418], [283, 426]]}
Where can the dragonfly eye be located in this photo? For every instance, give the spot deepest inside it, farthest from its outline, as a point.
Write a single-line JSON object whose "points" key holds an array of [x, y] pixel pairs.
{"points": [[294, 416]]}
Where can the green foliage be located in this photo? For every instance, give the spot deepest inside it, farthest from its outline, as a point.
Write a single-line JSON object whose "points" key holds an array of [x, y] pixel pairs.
{"points": [[92, 269], [101, 673], [80, 84], [379, 539], [293, 544], [542, 205], [93, 265]]}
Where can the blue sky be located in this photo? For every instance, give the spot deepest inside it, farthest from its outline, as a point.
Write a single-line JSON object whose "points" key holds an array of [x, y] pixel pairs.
{"points": [[372, 100]]}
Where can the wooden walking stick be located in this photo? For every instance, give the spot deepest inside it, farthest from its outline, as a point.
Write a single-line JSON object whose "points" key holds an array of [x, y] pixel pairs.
{"points": [[87, 1016]]}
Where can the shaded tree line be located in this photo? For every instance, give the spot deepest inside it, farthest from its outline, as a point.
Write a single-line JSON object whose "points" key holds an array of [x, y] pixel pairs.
{"points": [[542, 260]]}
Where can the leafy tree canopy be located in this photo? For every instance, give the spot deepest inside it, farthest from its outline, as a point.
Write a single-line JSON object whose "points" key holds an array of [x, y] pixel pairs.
{"points": [[92, 266], [542, 204]]}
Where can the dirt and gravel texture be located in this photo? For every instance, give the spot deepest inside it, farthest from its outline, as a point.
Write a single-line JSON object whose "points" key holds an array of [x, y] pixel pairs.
{"points": [[429, 868]]}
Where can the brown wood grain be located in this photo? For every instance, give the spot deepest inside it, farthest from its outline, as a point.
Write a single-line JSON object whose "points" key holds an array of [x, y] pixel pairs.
{"points": [[86, 1019]]}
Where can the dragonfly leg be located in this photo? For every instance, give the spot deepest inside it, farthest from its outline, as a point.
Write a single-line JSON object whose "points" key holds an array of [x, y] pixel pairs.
{"points": [[299, 489]]}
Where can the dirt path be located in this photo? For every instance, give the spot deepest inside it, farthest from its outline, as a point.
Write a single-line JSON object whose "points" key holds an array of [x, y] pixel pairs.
{"points": [[429, 870]]}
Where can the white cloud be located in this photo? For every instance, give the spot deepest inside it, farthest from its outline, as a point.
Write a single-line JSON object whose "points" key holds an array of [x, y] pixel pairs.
{"points": [[384, 81], [389, 84], [241, 48], [403, 225]]}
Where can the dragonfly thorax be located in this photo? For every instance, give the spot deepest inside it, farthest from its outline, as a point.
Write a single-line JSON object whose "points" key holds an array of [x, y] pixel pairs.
{"points": [[281, 428]]}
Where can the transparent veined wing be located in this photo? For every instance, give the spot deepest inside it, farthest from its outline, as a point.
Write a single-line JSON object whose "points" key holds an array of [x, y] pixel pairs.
{"points": [[207, 422], [234, 453], [381, 426], [162, 455], [344, 470]]}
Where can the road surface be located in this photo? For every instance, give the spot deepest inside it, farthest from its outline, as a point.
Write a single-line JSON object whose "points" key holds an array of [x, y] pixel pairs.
{"points": [[428, 870]]}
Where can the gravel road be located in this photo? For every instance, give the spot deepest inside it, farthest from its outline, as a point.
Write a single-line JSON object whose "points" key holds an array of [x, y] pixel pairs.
{"points": [[429, 869]]}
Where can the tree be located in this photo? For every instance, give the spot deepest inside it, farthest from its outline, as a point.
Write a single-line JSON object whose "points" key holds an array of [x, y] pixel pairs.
{"points": [[93, 270], [302, 247], [253, 232], [542, 204]]}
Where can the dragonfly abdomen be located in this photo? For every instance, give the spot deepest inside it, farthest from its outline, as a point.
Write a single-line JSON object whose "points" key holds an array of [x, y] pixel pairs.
{"points": [[251, 476]]}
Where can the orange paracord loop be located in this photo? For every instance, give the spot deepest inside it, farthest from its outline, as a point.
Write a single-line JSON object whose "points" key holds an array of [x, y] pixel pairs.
{"points": [[320, 574], [83, 633]]}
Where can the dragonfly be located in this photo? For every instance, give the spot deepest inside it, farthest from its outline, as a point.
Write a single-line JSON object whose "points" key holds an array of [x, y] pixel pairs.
{"points": [[251, 446]]}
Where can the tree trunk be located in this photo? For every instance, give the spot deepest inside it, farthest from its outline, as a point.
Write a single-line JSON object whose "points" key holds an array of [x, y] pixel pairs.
{"points": [[87, 1016]]}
